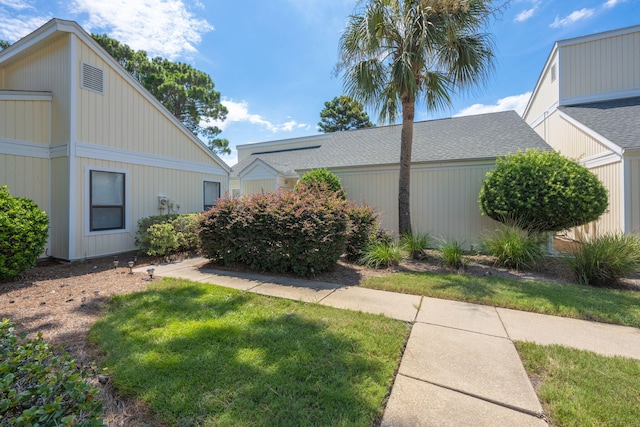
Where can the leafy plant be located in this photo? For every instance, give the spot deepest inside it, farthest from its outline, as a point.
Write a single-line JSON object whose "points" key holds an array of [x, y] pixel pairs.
{"points": [[162, 235], [320, 180], [382, 254], [361, 230], [543, 190], [451, 254], [605, 259], [514, 247], [38, 388], [23, 234], [415, 244]]}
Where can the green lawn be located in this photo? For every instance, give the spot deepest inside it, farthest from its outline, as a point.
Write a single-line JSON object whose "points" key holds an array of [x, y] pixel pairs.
{"points": [[579, 388], [199, 354], [569, 300]]}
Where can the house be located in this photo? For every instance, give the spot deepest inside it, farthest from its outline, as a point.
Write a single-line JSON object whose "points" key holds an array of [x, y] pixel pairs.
{"points": [[449, 162], [586, 105], [87, 143]]}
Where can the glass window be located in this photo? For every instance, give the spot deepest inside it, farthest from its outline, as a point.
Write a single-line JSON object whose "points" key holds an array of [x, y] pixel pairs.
{"points": [[211, 194], [107, 201]]}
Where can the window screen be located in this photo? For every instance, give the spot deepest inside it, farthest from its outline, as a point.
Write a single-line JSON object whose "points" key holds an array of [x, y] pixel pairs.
{"points": [[107, 201], [211, 194]]}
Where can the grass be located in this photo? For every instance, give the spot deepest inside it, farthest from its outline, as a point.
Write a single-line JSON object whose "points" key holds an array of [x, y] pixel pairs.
{"points": [[580, 388], [568, 300], [204, 355], [382, 254]]}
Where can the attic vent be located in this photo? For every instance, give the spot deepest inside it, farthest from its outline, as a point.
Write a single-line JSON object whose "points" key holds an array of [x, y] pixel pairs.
{"points": [[92, 78], [554, 72]]}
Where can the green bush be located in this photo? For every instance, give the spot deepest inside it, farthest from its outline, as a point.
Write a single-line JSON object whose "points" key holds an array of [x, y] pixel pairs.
{"points": [[162, 235], [321, 180], [514, 247], [451, 254], [38, 388], [543, 190], [605, 259], [299, 231], [382, 254], [23, 234], [361, 230], [415, 244]]}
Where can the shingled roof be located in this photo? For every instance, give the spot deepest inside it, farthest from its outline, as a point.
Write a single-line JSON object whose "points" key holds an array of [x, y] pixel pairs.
{"points": [[483, 136], [617, 120]]}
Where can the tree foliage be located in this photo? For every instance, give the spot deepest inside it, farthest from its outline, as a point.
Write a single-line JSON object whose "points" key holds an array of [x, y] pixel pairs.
{"points": [[4, 44], [542, 191], [343, 113], [397, 53], [189, 94], [321, 179]]}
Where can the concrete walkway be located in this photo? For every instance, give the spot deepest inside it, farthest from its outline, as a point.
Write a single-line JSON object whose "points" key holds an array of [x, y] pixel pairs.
{"points": [[460, 366]]}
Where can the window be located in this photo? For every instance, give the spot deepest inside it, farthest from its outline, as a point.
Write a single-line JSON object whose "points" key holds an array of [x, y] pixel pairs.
{"points": [[554, 72], [106, 201], [211, 194]]}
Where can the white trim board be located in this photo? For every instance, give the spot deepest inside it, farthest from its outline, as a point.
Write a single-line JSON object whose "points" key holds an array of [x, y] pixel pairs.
{"points": [[610, 145], [16, 147], [19, 95]]}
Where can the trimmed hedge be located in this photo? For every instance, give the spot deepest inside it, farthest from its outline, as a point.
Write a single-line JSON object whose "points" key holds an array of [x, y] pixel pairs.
{"points": [[23, 234], [161, 235], [38, 388], [321, 180], [300, 231], [542, 191]]}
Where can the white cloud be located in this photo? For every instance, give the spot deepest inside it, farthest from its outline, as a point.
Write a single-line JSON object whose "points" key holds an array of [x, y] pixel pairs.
{"points": [[239, 112], [525, 15], [573, 17], [515, 102], [16, 4], [161, 27], [613, 3], [14, 27]]}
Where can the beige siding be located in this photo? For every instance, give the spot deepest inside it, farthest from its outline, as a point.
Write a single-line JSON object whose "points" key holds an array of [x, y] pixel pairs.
{"points": [[26, 177], [124, 119], [444, 200], [59, 220], [46, 69], [25, 120], [257, 186], [286, 183], [569, 140], [633, 194], [545, 95], [143, 185], [601, 66]]}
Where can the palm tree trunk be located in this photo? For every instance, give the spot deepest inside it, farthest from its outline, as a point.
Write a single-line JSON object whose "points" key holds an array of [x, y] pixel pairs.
{"points": [[404, 186]]}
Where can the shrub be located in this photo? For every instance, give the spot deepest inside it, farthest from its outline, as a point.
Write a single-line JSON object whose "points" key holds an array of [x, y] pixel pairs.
{"points": [[299, 231], [23, 234], [451, 254], [38, 388], [361, 230], [162, 235], [382, 254], [543, 190], [514, 247], [415, 244], [605, 259], [320, 180]]}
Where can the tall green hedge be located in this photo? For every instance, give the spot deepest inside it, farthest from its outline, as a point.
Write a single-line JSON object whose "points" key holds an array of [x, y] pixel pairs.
{"points": [[23, 234], [542, 191]]}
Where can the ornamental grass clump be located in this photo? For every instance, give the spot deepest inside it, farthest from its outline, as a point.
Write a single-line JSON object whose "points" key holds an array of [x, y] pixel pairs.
{"points": [[451, 254], [514, 247], [382, 254], [605, 259], [415, 244]]}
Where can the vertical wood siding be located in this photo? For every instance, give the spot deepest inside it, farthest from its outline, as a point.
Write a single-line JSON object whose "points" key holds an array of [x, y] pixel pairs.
{"points": [[546, 95], [25, 120], [633, 197], [257, 186], [59, 220], [600, 66], [570, 141]]}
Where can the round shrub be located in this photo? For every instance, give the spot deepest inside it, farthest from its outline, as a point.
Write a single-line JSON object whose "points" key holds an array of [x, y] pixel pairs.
{"points": [[162, 235], [321, 179], [542, 191], [23, 234]]}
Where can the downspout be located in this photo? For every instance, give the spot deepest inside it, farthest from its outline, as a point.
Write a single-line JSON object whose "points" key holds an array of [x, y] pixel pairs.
{"points": [[73, 91]]}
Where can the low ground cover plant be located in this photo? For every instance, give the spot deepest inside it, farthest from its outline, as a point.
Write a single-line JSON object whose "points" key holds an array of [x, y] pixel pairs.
{"points": [[39, 388], [23, 234], [200, 354], [514, 247], [451, 253], [162, 235], [382, 254]]}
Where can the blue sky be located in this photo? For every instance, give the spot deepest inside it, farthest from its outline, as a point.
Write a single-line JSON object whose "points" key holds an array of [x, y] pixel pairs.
{"points": [[273, 61]]}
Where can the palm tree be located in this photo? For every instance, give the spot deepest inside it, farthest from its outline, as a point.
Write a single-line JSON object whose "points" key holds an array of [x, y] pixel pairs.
{"points": [[395, 53]]}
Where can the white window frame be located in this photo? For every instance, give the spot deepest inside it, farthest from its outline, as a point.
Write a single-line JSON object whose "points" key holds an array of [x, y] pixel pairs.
{"points": [[87, 203]]}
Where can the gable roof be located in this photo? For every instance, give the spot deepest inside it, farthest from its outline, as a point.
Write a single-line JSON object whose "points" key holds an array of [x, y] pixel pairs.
{"points": [[617, 120], [483, 136], [57, 26]]}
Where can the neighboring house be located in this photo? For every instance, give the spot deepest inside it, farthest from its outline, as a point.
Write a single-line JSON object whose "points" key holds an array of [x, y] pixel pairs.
{"points": [[586, 105], [450, 160], [87, 143]]}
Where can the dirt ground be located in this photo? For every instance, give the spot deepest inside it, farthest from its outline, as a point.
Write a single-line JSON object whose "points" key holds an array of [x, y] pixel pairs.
{"points": [[62, 300]]}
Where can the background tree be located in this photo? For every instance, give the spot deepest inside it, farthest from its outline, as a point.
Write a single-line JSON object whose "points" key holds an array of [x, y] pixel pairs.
{"points": [[395, 53], [542, 191], [343, 113], [4, 44], [189, 94]]}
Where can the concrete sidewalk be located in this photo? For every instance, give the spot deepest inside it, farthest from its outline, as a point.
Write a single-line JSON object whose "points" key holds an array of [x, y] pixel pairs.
{"points": [[460, 366]]}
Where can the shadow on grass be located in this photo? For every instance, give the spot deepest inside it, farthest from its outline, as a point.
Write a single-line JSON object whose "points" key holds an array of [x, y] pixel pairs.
{"points": [[222, 357]]}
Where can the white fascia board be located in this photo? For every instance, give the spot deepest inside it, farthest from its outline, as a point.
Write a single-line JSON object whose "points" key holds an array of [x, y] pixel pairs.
{"points": [[599, 36], [600, 160], [547, 64], [605, 96], [545, 115], [610, 145], [258, 163], [416, 166], [20, 95], [93, 151]]}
